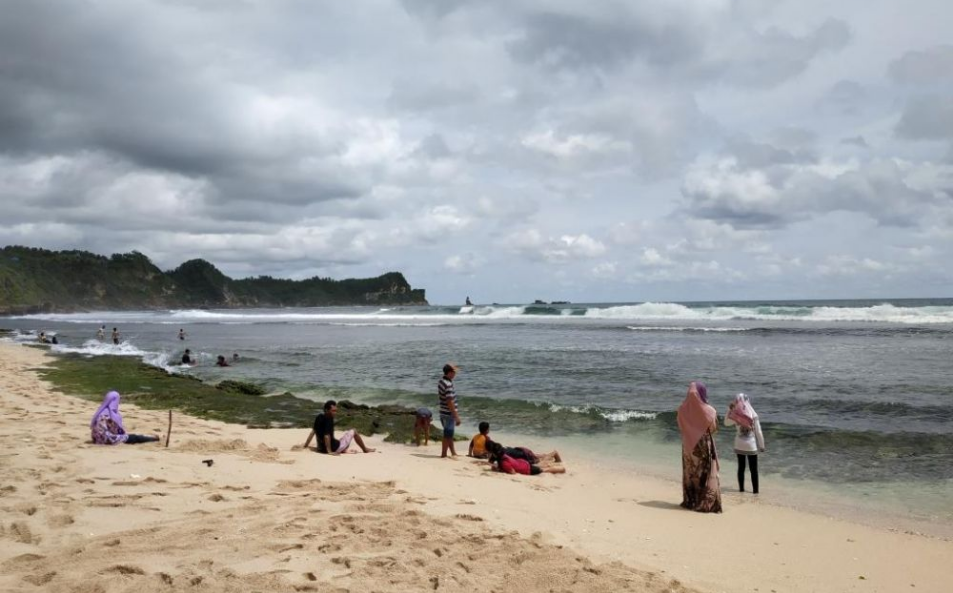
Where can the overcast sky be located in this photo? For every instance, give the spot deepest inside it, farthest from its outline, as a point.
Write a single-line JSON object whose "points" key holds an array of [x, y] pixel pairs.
{"points": [[507, 150]]}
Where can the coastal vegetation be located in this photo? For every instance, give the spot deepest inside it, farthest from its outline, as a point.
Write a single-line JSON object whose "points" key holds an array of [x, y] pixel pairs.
{"points": [[38, 280], [236, 402]]}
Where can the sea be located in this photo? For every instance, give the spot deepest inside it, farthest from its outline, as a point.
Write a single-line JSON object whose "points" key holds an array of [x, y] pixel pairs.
{"points": [[854, 396]]}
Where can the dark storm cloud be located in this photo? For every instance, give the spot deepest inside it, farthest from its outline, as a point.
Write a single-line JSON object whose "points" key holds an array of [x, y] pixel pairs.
{"points": [[580, 41], [675, 44], [96, 80]]}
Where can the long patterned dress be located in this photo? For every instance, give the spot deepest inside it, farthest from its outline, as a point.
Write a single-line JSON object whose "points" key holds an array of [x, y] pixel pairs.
{"points": [[701, 490]]}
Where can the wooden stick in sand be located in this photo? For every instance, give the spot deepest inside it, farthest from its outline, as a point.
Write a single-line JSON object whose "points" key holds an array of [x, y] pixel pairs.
{"points": [[168, 432]]}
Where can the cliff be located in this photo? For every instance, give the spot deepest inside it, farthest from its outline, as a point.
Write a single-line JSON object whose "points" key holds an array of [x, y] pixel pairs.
{"points": [[38, 280]]}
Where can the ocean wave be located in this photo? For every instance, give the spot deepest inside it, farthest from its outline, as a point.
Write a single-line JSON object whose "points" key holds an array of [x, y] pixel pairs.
{"points": [[613, 415], [883, 313], [676, 328], [92, 348], [386, 324], [697, 314], [97, 348]]}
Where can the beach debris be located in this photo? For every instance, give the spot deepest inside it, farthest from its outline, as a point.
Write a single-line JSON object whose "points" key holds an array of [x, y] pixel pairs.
{"points": [[135, 476], [208, 462]]}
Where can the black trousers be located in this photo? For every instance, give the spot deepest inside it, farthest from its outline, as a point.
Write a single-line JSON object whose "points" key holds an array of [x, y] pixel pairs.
{"points": [[135, 439], [753, 463]]}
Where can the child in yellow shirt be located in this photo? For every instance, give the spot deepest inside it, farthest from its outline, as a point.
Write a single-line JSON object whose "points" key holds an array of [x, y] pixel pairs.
{"points": [[478, 444]]}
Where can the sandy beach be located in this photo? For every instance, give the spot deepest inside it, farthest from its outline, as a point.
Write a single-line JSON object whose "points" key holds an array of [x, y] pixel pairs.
{"points": [[269, 516]]}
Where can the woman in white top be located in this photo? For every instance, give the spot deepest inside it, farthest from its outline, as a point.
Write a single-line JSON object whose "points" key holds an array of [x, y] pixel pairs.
{"points": [[748, 440]]}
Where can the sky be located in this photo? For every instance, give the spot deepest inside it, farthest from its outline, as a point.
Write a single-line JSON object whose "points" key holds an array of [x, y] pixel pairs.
{"points": [[652, 150]]}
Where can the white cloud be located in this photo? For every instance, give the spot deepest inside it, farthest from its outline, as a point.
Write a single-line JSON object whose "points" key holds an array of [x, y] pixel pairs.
{"points": [[652, 258], [465, 263], [533, 245]]}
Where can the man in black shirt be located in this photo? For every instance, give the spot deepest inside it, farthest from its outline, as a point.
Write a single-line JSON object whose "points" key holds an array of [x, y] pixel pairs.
{"points": [[324, 430]]}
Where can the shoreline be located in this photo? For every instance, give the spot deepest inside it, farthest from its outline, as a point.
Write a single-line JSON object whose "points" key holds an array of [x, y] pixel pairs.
{"points": [[834, 501], [627, 520], [900, 506]]}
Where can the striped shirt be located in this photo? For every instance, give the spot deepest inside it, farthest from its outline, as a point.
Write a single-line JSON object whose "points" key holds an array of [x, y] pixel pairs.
{"points": [[447, 394]]}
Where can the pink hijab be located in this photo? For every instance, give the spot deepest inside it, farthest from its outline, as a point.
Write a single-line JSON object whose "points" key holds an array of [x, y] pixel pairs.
{"points": [[695, 416], [741, 412]]}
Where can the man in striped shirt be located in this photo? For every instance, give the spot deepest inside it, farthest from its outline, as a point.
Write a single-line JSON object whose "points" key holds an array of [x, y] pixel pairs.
{"points": [[449, 418]]}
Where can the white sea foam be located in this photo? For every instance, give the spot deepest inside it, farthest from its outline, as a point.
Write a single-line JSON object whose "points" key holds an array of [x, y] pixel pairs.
{"points": [[97, 348], [884, 313], [625, 415], [677, 328], [386, 324], [652, 311], [610, 415], [92, 348]]}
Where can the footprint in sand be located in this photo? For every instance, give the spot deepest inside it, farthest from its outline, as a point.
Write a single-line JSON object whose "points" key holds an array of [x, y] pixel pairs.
{"points": [[125, 569], [60, 521], [19, 531], [40, 579]]}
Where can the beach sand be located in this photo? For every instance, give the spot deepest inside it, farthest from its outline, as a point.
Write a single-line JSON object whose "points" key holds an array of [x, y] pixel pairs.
{"points": [[269, 516]]}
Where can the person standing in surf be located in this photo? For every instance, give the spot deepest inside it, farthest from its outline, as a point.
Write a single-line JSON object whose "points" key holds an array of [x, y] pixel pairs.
{"points": [[748, 441], [115, 336], [698, 421], [449, 415]]}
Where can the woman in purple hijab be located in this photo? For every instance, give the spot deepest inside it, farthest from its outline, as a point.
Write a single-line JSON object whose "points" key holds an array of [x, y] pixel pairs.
{"points": [[107, 428]]}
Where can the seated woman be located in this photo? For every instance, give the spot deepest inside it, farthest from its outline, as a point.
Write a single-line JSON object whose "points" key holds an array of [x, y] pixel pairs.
{"points": [[520, 460], [107, 428]]}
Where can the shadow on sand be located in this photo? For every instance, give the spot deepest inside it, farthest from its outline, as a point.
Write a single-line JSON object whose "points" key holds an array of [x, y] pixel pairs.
{"points": [[661, 504]]}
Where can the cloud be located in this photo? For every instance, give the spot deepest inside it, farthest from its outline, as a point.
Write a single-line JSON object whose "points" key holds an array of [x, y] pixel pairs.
{"points": [[464, 264], [751, 194], [698, 42], [664, 142], [848, 265], [565, 248], [652, 258], [845, 97], [927, 117], [924, 67], [605, 270], [857, 141]]}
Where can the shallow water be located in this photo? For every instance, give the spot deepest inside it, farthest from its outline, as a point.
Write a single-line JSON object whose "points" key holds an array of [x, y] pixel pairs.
{"points": [[853, 395]]}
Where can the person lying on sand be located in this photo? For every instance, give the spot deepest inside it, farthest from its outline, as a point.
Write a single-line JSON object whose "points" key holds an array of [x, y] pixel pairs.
{"points": [[501, 460], [107, 428], [495, 450], [324, 430]]}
